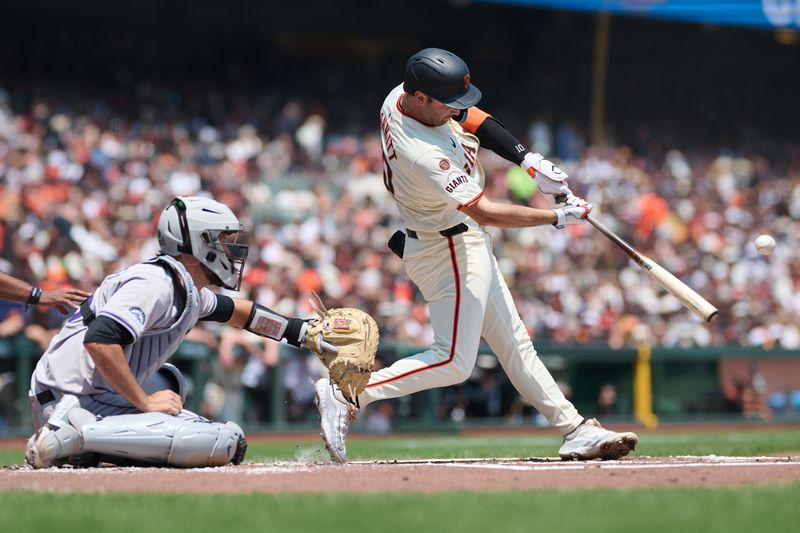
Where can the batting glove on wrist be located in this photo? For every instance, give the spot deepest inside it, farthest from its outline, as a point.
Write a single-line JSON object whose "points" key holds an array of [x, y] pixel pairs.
{"points": [[570, 214], [549, 178]]}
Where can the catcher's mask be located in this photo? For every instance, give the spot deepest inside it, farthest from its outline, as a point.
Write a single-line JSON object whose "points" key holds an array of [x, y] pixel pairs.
{"points": [[209, 231]]}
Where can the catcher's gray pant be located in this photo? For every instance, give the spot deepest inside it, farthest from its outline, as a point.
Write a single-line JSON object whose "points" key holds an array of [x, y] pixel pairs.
{"points": [[168, 377], [468, 299]]}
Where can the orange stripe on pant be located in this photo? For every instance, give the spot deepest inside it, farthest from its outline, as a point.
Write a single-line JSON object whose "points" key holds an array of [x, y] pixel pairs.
{"points": [[456, 276], [468, 299]]}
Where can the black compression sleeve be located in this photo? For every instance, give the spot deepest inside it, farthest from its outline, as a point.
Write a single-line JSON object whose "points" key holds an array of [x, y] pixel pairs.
{"points": [[224, 310], [494, 136], [104, 330]]}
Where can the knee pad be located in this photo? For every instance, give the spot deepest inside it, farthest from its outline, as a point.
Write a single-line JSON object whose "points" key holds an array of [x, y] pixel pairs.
{"points": [[207, 444], [168, 377]]}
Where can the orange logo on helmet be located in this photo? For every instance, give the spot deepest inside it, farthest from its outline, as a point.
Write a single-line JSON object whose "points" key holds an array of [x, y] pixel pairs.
{"points": [[466, 81]]}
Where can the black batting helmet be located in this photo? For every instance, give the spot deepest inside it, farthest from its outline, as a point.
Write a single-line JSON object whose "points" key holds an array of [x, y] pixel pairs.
{"points": [[441, 75]]}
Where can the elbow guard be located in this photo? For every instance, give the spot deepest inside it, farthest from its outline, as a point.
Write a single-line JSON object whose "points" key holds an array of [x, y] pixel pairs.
{"points": [[267, 323]]}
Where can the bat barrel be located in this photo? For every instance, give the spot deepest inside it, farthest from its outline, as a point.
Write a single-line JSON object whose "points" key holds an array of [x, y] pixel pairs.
{"points": [[689, 298]]}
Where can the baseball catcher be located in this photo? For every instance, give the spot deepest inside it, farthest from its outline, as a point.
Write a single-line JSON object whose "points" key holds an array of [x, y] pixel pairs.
{"points": [[92, 393], [355, 336]]}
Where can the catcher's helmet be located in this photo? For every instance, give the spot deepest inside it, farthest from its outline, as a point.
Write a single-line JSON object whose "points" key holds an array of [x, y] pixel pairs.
{"points": [[441, 75], [208, 230]]}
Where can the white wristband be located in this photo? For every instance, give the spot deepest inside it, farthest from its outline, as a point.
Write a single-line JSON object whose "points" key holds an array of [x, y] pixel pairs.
{"points": [[561, 219]]}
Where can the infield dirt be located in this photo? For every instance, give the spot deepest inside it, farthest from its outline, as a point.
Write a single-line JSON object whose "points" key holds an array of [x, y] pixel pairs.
{"points": [[414, 476]]}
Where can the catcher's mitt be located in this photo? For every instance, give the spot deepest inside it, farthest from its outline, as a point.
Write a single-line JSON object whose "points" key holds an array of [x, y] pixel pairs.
{"points": [[355, 335]]}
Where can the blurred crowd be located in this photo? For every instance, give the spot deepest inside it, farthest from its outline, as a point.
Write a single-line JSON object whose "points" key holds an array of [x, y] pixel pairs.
{"points": [[83, 178]]}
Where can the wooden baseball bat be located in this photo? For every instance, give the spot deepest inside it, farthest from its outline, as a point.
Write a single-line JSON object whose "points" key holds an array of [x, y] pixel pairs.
{"points": [[696, 303]]}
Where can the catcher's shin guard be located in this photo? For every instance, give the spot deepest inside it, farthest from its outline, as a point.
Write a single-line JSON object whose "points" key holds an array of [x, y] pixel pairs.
{"points": [[160, 439]]}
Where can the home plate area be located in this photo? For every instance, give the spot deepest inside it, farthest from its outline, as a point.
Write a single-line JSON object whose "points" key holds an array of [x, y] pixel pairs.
{"points": [[415, 475]]}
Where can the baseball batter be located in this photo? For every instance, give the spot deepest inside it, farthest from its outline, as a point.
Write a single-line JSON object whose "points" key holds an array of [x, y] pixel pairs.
{"points": [[431, 132], [102, 388]]}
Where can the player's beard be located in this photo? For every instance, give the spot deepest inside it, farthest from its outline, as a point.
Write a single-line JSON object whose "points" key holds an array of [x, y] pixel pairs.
{"points": [[211, 277]]}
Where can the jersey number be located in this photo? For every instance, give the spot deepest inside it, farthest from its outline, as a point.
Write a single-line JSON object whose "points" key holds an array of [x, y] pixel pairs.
{"points": [[387, 174], [471, 155]]}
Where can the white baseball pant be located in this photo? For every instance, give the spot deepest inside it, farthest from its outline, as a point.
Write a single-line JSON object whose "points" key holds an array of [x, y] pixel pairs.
{"points": [[468, 299]]}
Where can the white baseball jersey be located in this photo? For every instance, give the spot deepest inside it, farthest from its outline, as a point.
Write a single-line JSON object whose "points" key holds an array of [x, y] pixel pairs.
{"points": [[140, 298], [432, 171]]}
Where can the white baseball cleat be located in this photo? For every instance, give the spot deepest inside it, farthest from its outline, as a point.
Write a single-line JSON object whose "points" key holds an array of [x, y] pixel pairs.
{"points": [[336, 415], [58, 438], [591, 441]]}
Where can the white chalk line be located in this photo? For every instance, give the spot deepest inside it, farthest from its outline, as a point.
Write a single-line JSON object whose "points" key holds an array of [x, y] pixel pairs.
{"points": [[514, 464], [614, 466]]}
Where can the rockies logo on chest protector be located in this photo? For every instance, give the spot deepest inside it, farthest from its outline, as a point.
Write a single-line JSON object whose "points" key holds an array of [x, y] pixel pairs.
{"points": [[154, 347]]}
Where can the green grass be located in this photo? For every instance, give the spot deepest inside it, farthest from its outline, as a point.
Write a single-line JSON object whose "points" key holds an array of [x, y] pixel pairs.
{"points": [[453, 446], [745, 510]]}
